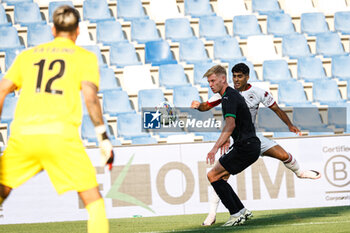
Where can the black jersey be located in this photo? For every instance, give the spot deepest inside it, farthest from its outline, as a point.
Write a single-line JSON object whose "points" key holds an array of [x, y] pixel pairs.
{"points": [[234, 105]]}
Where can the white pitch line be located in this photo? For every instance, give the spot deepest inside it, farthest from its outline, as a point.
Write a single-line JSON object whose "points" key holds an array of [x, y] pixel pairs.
{"points": [[254, 226]]}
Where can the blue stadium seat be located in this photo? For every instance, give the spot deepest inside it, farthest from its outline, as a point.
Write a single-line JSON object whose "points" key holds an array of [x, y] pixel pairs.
{"points": [[129, 126], [308, 118], [145, 140], [38, 34], [178, 29], [150, 98], [123, 54], [209, 136], [14, 2], [96, 50], [268, 121], [172, 75], [329, 44], [342, 22], [276, 71], [280, 25], [116, 102], [55, 4], [313, 23], [183, 96], [310, 69], [341, 67], [226, 49], [10, 55], [8, 110], [143, 30], [198, 8], [252, 74], [337, 116], [130, 10], [107, 80], [246, 25], [291, 93], [199, 70], [295, 46], [3, 18], [326, 92], [212, 27], [193, 51], [96, 10], [109, 31], [158, 53], [266, 6], [27, 13], [9, 38]]}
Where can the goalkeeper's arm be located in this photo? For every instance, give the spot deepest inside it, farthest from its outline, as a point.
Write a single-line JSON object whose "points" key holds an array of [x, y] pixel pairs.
{"points": [[94, 108]]}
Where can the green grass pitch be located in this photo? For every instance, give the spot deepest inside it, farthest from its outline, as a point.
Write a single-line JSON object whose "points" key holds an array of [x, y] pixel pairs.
{"points": [[309, 220]]}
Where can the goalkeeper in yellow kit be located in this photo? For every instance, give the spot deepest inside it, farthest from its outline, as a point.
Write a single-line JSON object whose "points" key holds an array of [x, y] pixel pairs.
{"points": [[44, 132]]}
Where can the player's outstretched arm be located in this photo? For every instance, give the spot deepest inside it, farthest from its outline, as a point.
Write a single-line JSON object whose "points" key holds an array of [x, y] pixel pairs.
{"points": [[283, 116], [204, 106], [94, 108], [6, 86]]}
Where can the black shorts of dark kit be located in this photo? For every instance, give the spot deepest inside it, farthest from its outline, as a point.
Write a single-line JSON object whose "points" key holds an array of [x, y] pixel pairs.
{"points": [[241, 156]]}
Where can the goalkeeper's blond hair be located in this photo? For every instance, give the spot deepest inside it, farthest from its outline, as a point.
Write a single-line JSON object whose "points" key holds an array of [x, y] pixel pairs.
{"points": [[66, 19]]}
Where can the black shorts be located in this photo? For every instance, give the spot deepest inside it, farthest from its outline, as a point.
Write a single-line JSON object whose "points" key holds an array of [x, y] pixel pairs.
{"points": [[241, 156]]}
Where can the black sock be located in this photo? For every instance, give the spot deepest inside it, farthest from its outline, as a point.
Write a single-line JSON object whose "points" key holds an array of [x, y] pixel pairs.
{"points": [[227, 196]]}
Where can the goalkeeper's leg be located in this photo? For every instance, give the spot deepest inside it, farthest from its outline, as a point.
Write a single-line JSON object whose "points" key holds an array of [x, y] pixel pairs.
{"points": [[4, 192], [98, 222]]}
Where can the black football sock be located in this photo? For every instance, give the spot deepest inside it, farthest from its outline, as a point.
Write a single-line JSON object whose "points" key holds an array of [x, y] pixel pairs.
{"points": [[227, 196]]}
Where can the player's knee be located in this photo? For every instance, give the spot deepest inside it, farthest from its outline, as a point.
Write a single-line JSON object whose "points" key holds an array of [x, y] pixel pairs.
{"points": [[212, 177], [4, 192]]}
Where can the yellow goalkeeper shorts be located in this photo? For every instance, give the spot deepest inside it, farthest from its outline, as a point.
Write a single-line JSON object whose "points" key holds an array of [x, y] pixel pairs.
{"points": [[63, 158]]}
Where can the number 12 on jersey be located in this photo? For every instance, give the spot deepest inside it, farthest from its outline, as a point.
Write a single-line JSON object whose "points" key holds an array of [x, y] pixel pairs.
{"points": [[49, 83]]}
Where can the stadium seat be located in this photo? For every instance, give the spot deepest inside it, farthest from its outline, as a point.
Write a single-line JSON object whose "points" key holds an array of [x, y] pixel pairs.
{"points": [[308, 118], [109, 31], [291, 93], [310, 69], [149, 98], [8, 110], [172, 75], [268, 121], [228, 9], [209, 136], [265, 7], [130, 9], [3, 17], [55, 4], [116, 102], [226, 49], [107, 80], [158, 53], [10, 55], [129, 126], [245, 26], [337, 116], [199, 70], [38, 34], [9, 38], [183, 96], [198, 8], [123, 54], [329, 44], [212, 27], [276, 71], [192, 51], [27, 13], [96, 50], [160, 10], [252, 74], [280, 24], [342, 22], [326, 92], [295, 46], [84, 37], [341, 67], [331, 7], [14, 2], [145, 140], [178, 29], [261, 48], [313, 23], [88, 131], [297, 7], [96, 10], [144, 30], [136, 78]]}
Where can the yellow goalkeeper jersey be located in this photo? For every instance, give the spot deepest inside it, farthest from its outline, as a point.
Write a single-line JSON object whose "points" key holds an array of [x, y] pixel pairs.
{"points": [[49, 77]]}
